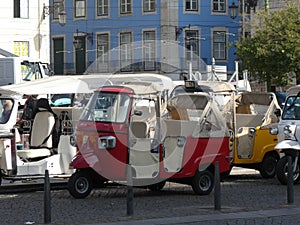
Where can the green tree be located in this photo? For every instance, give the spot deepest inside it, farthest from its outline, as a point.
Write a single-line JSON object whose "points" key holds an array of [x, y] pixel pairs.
{"points": [[272, 54]]}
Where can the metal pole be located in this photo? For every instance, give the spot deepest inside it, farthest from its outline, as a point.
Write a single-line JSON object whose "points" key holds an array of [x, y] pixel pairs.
{"points": [[267, 6], [47, 198], [129, 190], [290, 182], [129, 170], [217, 193], [243, 19]]}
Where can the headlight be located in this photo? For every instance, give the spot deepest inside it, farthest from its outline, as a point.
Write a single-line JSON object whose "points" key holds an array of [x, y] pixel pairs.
{"points": [[106, 142], [252, 131], [273, 131], [289, 132]]}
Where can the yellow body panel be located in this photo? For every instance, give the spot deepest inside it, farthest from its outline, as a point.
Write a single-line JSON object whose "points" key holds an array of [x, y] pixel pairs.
{"points": [[263, 142]]}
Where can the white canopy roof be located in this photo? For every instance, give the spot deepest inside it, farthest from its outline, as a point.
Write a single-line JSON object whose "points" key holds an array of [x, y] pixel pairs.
{"points": [[211, 86], [49, 85], [294, 90], [81, 83]]}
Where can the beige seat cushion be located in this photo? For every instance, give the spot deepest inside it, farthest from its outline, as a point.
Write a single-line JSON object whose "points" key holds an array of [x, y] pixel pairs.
{"points": [[33, 153]]}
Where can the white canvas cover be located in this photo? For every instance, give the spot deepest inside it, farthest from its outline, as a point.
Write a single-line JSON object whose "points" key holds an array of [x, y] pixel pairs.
{"points": [[200, 109], [293, 90], [83, 83], [257, 107], [49, 85]]}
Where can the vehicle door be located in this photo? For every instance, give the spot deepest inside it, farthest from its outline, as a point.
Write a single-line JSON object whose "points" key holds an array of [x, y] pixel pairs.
{"points": [[144, 139]]}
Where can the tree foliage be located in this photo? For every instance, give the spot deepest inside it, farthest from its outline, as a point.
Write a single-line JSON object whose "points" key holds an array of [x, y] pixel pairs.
{"points": [[272, 54]]}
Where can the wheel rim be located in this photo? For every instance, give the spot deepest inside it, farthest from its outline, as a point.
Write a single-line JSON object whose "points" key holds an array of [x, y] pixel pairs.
{"points": [[82, 185], [295, 174], [204, 183]]}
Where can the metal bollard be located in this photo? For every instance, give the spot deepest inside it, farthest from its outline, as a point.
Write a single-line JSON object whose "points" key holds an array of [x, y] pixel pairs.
{"points": [[217, 192], [129, 191], [290, 182], [47, 198]]}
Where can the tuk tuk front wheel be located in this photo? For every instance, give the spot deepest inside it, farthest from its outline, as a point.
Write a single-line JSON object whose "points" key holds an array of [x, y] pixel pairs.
{"points": [[268, 166], [80, 184], [203, 182], [282, 171]]}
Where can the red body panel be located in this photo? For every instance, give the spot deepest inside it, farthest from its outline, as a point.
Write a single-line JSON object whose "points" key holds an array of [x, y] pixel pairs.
{"points": [[109, 163], [112, 163], [202, 152]]}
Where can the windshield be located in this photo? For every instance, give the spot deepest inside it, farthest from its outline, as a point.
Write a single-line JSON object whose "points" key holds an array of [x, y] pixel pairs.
{"points": [[30, 71], [108, 107], [292, 108], [6, 106]]}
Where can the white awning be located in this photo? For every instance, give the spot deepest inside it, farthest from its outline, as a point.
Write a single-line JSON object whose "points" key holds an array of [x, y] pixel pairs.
{"points": [[82, 83]]}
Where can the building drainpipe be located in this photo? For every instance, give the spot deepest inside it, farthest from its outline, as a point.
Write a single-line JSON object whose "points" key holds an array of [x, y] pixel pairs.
{"points": [[267, 6]]}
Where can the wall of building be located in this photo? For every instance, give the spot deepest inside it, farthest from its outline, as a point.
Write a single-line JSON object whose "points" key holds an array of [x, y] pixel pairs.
{"points": [[32, 29], [168, 18]]}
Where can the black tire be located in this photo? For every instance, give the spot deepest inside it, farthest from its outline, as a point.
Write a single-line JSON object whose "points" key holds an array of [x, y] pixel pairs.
{"points": [[203, 182], [282, 170], [158, 186], [268, 166], [80, 184]]}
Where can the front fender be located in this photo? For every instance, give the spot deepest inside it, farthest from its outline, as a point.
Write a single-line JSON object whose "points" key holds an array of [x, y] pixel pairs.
{"points": [[288, 144], [78, 162]]}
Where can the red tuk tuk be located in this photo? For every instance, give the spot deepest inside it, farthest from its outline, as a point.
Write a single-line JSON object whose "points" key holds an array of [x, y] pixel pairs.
{"points": [[178, 139]]}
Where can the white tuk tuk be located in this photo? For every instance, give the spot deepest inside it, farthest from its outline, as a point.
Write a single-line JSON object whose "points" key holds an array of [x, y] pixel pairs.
{"points": [[288, 136]]}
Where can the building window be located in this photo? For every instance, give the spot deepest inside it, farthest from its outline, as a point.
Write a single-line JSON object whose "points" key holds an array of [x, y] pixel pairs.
{"points": [[219, 6], [192, 44], [80, 8], [102, 48], [125, 6], [21, 9], [219, 45], [149, 5], [149, 50], [126, 51], [57, 7], [191, 5], [21, 48], [102, 7]]}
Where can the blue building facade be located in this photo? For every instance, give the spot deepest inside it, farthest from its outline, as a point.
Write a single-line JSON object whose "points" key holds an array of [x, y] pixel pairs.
{"points": [[143, 35]]}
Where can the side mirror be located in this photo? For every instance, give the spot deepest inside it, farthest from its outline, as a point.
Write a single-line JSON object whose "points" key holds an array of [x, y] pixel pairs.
{"points": [[277, 112]]}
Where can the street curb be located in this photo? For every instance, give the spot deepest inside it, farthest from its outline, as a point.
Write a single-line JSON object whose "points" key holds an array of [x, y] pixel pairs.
{"points": [[211, 217]]}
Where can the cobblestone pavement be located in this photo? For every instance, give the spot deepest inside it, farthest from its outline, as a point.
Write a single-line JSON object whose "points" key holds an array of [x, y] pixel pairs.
{"points": [[245, 199]]}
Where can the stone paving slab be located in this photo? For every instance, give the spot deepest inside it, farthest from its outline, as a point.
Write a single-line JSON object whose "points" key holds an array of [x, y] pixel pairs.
{"points": [[245, 200], [217, 218]]}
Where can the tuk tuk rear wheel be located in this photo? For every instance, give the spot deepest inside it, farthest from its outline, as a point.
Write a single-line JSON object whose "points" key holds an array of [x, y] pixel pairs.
{"points": [[268, 166], [80, 184], [282, 171], [203, 182]]}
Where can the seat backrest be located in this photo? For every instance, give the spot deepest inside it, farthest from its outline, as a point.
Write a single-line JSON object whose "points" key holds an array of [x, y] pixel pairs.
{"points": [[43, 125]]}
